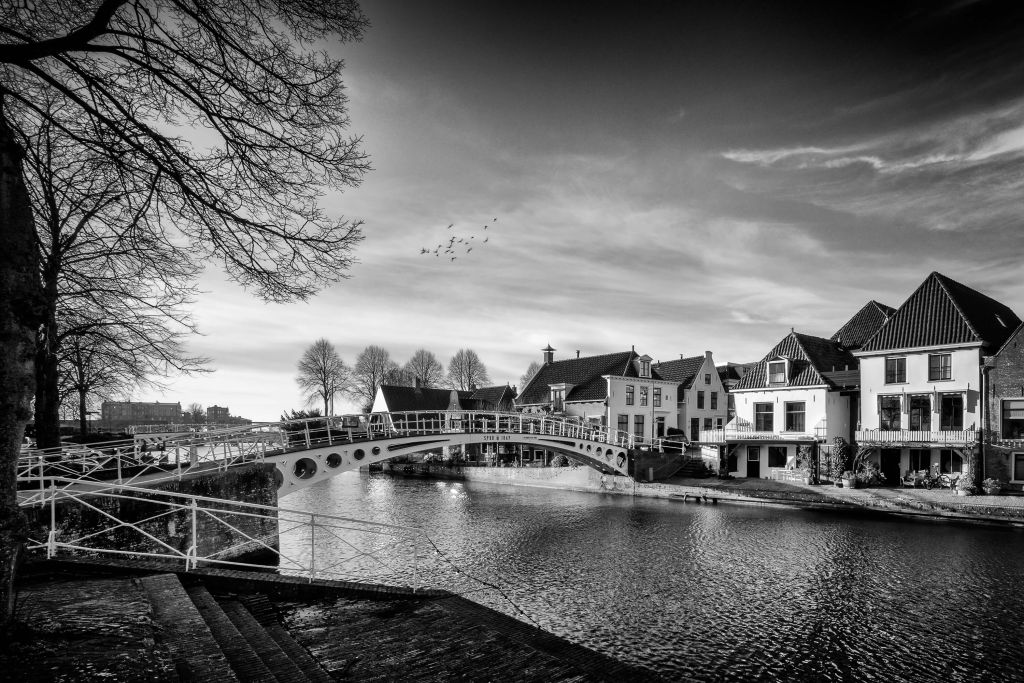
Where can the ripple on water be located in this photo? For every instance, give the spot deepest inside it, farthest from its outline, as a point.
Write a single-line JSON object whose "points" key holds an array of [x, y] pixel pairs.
{"points": [[720, 592]]}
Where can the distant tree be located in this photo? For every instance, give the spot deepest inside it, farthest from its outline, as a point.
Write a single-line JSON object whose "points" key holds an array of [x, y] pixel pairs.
{"points": [[528, 375], [195, 413], [93, 370], [373, 368], [425, 367], [466, 371], [322, 374]]}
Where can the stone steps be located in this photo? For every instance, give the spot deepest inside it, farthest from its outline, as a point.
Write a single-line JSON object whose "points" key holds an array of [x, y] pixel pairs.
{"points": [[226, 638]]}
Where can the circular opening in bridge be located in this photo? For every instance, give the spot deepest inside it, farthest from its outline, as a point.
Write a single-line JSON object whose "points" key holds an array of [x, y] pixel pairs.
{"points": [[359, 454], [376, 450], [304, 468], [609, 453], [333, 460], [589, 448]]}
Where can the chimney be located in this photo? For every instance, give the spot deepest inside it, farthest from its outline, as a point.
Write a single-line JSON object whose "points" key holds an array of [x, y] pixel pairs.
{"points": [[681, 356], [549, 354], [707, 354], [577, 353]]}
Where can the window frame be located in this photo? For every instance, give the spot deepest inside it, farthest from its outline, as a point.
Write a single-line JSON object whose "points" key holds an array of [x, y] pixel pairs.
{"points": [[638, 425], [802, 413], [935, 374], [713, 400], [643, 396], [774, 453], [707, 378], [772, 382], [924, 418], [957, 424], [700, 400], [622, 422], [764, 421], [943, 453], [886, 425], [630, 398], [657, 397], [1004, 420], [917, 453], [899, 371]]}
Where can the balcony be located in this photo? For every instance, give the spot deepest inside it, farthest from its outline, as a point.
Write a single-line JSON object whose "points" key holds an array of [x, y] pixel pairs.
{"points": [[728, 435], [906, 437]]}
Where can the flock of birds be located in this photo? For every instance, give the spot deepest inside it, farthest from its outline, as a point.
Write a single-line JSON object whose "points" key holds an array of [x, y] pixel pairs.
{"points": [[457, 244]]}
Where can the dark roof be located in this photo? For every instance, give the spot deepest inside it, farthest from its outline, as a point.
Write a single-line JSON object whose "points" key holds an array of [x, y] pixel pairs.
{"points": [[492, 395], [400, 399], [943, 312], [733, 371], [584, 373], [863, 324], [683, 371], [812, 361]]}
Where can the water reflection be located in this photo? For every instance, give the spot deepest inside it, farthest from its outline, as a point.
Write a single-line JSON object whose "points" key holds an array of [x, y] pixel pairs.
{"points": [[721, 592]]}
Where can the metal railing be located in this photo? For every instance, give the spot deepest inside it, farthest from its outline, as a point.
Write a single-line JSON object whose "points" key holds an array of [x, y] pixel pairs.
{"points": [[907, 436], [726, 435], [198, 531], [142, 461]]}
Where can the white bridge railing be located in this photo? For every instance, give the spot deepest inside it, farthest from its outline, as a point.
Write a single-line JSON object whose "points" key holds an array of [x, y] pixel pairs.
{"points": [[197, 531], [149, 459]]}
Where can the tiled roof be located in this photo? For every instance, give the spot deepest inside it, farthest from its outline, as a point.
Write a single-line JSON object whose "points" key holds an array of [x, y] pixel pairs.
{"points": [[812, 360], [683, 371], [584, 373], [733, 371], [400, 399], [943, 312], [492, 396], [863, 324]]}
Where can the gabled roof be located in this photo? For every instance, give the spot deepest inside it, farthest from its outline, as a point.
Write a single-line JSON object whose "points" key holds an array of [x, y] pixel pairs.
{"points": [[684, 371], [813, 361], [585, 374], [944, 312], [863, 324], [493, 395], [399, 399], [733, 371]]}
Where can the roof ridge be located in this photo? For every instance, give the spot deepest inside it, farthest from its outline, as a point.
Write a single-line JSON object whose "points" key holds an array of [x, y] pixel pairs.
{"points": [[1013, 334], [803, 349], [940, 278]]}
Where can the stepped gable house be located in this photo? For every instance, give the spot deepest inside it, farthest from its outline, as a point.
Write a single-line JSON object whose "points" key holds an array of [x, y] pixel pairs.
{"points": [[619, 390], [701, 401], [921, 377]]}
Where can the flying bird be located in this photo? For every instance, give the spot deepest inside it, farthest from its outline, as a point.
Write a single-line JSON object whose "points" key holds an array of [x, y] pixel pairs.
{"points": [[449, 226], [486, 238], [469, 250], [453, 258]]}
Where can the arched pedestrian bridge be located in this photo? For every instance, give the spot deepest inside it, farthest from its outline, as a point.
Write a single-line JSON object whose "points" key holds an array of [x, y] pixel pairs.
{"points": [[311, 450]]}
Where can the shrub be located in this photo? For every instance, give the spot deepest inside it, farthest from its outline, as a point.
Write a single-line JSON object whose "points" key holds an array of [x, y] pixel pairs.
{"points": [[838, 459], [559, 461]]}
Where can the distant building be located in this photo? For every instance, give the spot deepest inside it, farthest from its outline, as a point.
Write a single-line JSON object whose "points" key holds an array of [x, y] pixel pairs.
{"points": [[701, 397], [118, 415], [218, 415]]}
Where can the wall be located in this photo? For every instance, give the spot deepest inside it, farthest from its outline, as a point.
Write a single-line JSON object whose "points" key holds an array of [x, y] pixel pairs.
{"points": [[617, 403], [1005, 380], [965, 374], [252, 484], [688, 409]]}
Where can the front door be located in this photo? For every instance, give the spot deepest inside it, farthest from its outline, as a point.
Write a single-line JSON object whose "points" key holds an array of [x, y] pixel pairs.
{"points": [[694, 429], [754, 462], [890, 458]]}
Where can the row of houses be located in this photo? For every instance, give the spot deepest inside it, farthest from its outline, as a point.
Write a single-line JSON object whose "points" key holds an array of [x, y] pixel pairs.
{"points": [[923, 386]]}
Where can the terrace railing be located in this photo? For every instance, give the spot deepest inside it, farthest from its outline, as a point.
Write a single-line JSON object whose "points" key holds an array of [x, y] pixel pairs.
{"points": [[900, 437]]}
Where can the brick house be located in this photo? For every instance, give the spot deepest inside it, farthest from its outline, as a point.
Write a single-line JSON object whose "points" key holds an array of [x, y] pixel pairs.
{"points": [[1003, 383]]}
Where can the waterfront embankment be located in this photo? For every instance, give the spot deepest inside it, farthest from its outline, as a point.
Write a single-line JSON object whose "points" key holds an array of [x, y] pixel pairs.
{"points": [[934, 504]]}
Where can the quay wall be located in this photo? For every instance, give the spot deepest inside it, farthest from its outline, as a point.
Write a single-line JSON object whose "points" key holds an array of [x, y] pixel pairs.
{"points": [[102, 516]]}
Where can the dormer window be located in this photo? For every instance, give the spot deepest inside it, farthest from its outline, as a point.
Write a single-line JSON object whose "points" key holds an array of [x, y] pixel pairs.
{"points": [[644, 363], [776, 372]]}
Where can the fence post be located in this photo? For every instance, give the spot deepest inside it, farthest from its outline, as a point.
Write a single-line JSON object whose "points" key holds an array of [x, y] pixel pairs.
{"points": [[193, 551], [312, 548], [308, 443], [416, 565], [42, 485], [51, 538], [117, 454]]}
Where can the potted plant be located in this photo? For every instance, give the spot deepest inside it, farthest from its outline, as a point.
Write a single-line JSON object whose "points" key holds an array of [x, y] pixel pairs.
{"points": [[991, 487], [965, 484], [849, 479], [869, 475], [837, 459]]}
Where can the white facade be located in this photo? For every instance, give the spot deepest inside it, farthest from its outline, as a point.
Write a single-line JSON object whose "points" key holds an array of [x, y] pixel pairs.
{"points": [[643, 404], [706, 401]]}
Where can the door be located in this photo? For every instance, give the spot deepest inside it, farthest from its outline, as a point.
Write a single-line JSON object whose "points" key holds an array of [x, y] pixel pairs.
{"points": [[890, 458], [754, 462], [694, 429], [660, 427]]}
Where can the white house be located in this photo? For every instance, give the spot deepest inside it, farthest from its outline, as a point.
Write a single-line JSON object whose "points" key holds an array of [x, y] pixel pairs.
{"points": [[702, 400], [921, 377]]}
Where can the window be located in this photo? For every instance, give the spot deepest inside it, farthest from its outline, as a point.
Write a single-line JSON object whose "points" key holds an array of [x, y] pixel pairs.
{"points": [[657, 397], [940, 366], [921, 413], [638, 425], [707, 423], [557, 397], [950, 462], [694, 428], [643, 396], [895, 370], [777, 372], [629, 394], [660, 426], [700, 399], [623, 423], [718, 423], [951, 412], [763, 414], [714, 400], [776, 456], [920, 459], [1013, 420], [795, 416], [645, 368], [889, 413], [707, 378], [1018, 466], [753, 453]]}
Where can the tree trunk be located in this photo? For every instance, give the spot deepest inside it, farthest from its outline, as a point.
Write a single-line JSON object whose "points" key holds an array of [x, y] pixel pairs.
{"points": [[47, 408], [20, 298], [83, 414]]}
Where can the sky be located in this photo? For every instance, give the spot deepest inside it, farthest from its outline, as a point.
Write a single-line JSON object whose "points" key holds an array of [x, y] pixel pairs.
{"points": [[674, 177]]}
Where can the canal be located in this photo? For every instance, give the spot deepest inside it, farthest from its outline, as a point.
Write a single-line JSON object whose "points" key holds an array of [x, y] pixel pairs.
{"points": [[719, 592]]}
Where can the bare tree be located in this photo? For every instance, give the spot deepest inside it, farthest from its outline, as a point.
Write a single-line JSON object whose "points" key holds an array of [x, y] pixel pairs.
{"points": [[322, 374], [92, 370], [373, 368], [135, 76], [528, 375], [424, 367], [466, 371], [195, 413]]}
